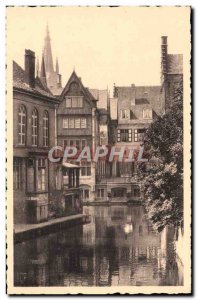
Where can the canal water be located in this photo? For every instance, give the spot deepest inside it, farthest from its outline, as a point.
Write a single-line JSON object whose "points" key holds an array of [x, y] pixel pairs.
{"points": [[117, 247]]}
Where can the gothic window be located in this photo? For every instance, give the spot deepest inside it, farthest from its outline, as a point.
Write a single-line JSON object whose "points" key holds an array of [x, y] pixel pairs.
{"points": [[46, 129], [22, 115], [34, 128]]}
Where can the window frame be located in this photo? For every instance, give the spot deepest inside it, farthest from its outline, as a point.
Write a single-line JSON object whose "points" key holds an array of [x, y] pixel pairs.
{"points": [[150, 111], [34, 127], [45, 128], [137, 134], [126, 113], [124, 135], [22, 125]]}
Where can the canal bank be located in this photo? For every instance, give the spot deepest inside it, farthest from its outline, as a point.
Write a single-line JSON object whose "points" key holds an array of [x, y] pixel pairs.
{"points": [[26, 231]]}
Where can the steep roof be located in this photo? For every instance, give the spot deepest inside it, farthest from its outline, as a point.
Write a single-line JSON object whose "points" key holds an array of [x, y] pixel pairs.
{"points": [[175, 64], [75, 78], [144, 96], [19, 82]]}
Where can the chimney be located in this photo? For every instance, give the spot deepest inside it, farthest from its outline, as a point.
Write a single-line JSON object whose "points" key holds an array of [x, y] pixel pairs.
{"points": [[164, 52], [30, 67]]}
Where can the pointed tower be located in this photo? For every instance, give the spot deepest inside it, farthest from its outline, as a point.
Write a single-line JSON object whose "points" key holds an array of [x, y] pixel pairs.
{"points": [[57, 66], [47, 72], [48, 53], [37, 68], [43, 72]]}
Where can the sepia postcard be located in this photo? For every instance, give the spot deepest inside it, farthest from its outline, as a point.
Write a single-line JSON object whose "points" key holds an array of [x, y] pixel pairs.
{"points": [[98, 150]]}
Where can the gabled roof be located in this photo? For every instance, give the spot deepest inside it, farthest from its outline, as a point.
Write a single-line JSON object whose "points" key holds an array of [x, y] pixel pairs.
{"points": [[19, 82], [175, 64], [85, 91]]}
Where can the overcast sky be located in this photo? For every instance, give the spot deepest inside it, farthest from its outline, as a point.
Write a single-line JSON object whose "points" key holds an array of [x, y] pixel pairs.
{"points": [[104, 45]]}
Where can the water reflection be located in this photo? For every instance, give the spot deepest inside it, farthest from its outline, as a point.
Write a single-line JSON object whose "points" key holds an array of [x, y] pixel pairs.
{"points": [[118, 247]]}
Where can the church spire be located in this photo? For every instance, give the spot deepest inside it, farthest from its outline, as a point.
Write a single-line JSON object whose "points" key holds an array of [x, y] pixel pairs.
{"points": [[57, 66], [48, 53], [37, 67], [43, 72]]}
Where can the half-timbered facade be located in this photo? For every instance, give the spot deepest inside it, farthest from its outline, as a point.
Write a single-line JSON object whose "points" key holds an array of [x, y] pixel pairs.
{"points": [[77, 125]]}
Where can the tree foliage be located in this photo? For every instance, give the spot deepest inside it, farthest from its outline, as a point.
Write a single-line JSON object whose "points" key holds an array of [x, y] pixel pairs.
{"points": [[162, 176]]}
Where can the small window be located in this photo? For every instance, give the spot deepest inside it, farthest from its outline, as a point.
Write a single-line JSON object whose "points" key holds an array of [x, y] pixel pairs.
{"points": [[41, 179], [124, 135], [77, 123], [100, 193], [68, 102], [41, 163], [65, 122], [85, 168], [71, 123], [83, 123], [139, 135], [125, 114], [147, 113]]}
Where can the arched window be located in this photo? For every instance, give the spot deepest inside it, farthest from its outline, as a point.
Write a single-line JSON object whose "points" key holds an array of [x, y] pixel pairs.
{"points": [[34, 123], [45, 129], [22, 116]]}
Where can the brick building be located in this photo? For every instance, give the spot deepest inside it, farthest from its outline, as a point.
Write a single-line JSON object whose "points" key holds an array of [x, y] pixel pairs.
{"points": [[33, 135], [171, 72], [39, 190]]}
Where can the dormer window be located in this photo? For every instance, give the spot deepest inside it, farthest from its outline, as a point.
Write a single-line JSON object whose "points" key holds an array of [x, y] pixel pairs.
{"points": [[125, 114], [147, 113]]}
